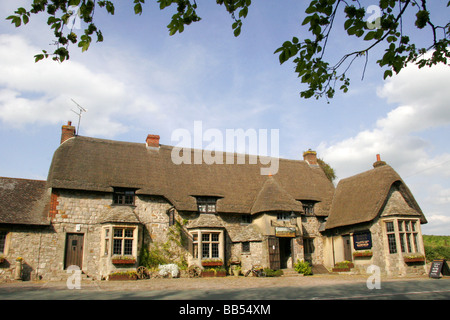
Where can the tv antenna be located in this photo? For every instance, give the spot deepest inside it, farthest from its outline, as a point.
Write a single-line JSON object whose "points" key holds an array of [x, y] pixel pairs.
{"points": [[79, 113]]}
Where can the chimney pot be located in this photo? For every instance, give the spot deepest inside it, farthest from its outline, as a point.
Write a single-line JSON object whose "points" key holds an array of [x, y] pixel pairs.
{"points": [[378, 163], [67, 132], [310, 157], [152, 141]]}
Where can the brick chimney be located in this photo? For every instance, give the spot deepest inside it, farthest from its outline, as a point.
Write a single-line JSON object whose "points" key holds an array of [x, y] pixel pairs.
{"points": [[152, 141], [310, 157], [378, 163], [67, 131]]}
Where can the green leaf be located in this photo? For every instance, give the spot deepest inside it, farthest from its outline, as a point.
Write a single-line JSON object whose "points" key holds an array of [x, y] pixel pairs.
{"points": [[369, 36], [387, 73], [138, 9]]}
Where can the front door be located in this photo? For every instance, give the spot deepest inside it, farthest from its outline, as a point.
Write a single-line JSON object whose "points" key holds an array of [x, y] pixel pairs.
{"points": [[74, 250], [347, 248], [274, 253]]}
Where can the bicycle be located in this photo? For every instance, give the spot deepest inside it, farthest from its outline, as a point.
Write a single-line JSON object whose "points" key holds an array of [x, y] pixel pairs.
{"points": [[257, 271]]}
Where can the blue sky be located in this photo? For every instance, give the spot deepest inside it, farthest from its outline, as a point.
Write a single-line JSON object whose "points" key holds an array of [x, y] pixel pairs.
{"points": [[140, 81]]}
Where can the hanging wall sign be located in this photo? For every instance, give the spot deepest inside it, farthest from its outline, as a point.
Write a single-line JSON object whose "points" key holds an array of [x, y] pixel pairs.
{"points": [[362, 240], [285, 232]]}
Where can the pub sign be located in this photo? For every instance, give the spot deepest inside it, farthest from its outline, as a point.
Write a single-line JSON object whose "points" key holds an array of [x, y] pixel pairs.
{"points": [[362, 240]]}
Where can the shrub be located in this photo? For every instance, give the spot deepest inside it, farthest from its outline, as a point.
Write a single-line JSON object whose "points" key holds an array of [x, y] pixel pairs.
{"points": [[303, 267], [273, 273]]}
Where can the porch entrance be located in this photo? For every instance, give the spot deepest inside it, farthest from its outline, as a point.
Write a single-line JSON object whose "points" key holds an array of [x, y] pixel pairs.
{"points": [[280, 252], [74, 250], [285, 252]]}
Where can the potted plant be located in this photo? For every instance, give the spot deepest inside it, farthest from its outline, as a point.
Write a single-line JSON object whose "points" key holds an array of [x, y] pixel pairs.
{"points": [[123, 260], [366, 253], [414, 258], [236, 269], [212, 262]]}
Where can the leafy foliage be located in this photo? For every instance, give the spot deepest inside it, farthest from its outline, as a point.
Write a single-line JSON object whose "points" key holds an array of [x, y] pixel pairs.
{"points": [[327, 169], [303, 267], [308, 54], [437, 247]]}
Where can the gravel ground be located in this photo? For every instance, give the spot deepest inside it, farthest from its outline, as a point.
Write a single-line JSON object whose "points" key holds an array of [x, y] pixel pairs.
{"points": [[229, 282]]}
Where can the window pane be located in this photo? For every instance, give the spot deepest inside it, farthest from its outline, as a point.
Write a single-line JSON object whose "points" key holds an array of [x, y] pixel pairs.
{"points": [[408, 241], [407, 226], [128, 247], [214, 250], [195, 249], [413, 224], [129, 233], [402, 241], [416, 246], [118, 232], [205, 250], [400, 226], [245, 246], [2, 241], [392, 243], [205, 237], [390, 226], [214, 237], [117, 246], [106, 247]]}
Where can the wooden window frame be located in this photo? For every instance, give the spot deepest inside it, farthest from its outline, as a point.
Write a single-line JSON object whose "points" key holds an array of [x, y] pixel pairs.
{"points": [[124, 197], [207, 204]]}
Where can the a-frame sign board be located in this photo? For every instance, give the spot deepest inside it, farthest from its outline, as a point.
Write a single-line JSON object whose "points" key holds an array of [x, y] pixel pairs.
{"points": [[439, 267]]}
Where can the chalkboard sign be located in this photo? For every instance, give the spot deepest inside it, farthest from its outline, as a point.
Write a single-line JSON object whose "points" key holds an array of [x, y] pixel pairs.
{"points": [[439, 267]]}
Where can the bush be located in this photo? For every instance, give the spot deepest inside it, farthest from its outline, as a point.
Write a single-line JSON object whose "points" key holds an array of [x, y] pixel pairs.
{"points": [[273, 273], [303, 267], [434, 253]]}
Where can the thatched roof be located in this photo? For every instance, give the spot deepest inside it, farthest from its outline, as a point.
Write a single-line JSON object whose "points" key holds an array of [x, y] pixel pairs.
{"points": [[362, 197], [23, 201], [100, 165]]}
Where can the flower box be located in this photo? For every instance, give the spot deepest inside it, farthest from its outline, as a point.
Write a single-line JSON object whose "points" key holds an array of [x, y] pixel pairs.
{"points": [[122, 276], [212, 263], [208, 274], [123, 261], [410, 260], [221, 273], [341, 269], [363, 254]]}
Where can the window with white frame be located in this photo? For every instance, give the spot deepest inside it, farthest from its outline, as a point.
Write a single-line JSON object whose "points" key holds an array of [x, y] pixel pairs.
{"points": [[404, 231], [119, 241], [408, 234], [390, 231], [207, 244]]}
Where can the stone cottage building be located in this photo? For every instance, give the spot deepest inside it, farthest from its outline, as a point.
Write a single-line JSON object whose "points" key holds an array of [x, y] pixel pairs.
{"points": [[107, 200]]}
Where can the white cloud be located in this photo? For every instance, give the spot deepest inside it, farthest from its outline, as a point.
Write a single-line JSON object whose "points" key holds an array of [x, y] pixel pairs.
{"points": [[41, 93], [422, 97]]}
